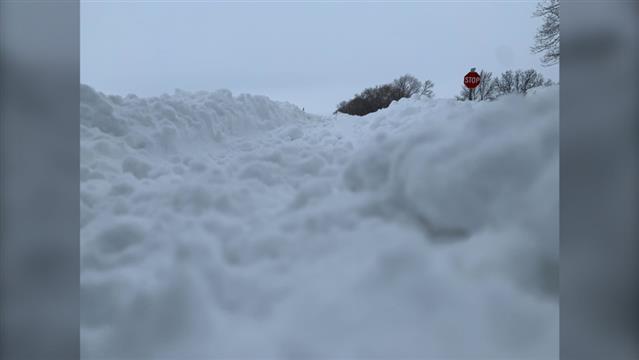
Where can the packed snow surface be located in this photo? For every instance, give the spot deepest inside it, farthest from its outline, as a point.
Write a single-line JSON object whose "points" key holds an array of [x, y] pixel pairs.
{"points": [[235, 227]]}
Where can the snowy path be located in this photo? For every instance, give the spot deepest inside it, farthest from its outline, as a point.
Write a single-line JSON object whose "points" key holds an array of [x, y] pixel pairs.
{"points": [[222, 227]]}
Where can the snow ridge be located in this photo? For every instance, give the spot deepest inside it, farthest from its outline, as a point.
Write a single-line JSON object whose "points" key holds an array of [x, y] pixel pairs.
{"points": [[203, 116]]}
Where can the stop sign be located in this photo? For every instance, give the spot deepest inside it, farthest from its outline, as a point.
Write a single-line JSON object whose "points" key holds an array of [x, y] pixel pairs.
{"points": [[471, 80]]}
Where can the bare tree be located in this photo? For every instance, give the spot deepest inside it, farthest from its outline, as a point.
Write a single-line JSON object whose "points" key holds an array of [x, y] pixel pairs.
{"points": [[427, 89], [526, 80], [547, 37], [486, 90], [510, 82], [506, 83], [519, 81], [407, 85]]}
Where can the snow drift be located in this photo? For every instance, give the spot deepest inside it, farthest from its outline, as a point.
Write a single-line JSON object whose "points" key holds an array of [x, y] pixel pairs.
{"points": [[216, 226]]}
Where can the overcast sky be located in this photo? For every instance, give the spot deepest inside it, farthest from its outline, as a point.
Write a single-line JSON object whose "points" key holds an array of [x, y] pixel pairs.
{"points": [[311, 54]]}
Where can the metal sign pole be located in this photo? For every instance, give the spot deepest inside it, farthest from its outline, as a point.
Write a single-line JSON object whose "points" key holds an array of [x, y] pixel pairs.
{"points": [[471, 91]]}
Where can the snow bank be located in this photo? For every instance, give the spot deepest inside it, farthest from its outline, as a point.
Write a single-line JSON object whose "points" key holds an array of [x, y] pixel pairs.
{"points": [[236, 227], [157, 123]]}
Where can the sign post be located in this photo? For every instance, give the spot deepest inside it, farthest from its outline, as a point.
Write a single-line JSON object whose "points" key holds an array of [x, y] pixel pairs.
{"points": [[471, 80]]}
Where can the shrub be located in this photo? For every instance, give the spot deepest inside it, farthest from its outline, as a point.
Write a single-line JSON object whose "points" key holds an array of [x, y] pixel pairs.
{"points": [[381, 96]]}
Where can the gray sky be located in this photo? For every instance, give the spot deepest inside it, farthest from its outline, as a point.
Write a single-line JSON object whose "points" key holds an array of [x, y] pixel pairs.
{"points": [[311, 54]]}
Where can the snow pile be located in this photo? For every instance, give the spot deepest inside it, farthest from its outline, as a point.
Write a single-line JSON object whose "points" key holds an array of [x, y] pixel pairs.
{"points": [[236, 227], [159, 122]]}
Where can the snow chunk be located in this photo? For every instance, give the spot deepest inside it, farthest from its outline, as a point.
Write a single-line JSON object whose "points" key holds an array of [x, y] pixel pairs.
{"points": [[119, 237], [137, 167]]}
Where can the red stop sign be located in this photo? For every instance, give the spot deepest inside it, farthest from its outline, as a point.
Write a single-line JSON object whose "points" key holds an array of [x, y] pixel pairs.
{"points": [[471, 80]]}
